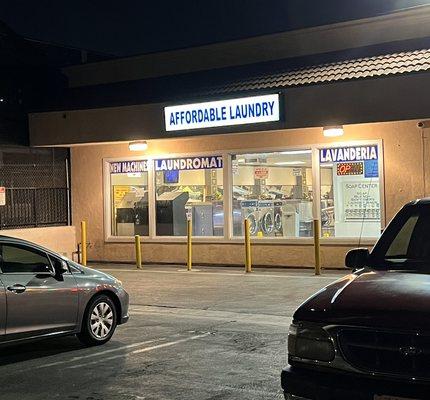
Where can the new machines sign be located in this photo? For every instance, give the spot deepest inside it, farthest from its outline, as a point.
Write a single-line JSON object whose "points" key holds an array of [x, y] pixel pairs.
{"points": [[245, 110]]}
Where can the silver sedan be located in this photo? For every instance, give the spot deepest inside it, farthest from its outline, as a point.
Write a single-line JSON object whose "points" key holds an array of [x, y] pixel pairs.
{"points": [[43, 294]]}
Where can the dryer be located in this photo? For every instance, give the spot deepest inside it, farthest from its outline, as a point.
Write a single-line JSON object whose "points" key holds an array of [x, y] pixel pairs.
{"points": [[250, 211]]}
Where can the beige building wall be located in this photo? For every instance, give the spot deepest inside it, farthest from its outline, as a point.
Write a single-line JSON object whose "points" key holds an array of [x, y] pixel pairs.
{"points": [[406, 177], [61, 239]]}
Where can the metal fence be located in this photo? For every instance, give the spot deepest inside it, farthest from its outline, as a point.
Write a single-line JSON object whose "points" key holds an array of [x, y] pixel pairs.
{"points": [[36, 195]]}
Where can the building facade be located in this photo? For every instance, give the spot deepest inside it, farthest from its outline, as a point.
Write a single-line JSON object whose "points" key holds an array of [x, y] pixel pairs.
{"points": [[327, 124]]}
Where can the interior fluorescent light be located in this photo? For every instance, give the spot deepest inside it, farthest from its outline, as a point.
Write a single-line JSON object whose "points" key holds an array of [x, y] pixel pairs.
{"points": [[290, 163], [296, 152], [140, 145], [333, 131]]}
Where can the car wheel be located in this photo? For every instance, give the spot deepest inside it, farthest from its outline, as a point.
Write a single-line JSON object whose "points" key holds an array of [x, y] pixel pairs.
{"points": [[99, 321]]}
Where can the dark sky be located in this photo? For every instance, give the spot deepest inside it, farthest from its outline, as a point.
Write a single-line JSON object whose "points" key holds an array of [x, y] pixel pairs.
{"points": [[128, 27]]}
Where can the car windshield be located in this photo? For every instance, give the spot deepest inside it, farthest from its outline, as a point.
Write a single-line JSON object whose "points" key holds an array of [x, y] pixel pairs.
{"points": [[406, 241]]}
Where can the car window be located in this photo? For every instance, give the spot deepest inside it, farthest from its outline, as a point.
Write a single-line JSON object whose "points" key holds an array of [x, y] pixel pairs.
{"points": [[18, 259], [406, 241], [399, 246], [59, 264], [74, 269]]}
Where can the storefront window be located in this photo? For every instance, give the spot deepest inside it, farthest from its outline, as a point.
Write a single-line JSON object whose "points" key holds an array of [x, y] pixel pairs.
{"points": [[350, 191], [274, 191], [129, 196], [189, 188]]}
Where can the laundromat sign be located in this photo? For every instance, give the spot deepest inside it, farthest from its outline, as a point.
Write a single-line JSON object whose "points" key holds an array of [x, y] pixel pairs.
{"points": [[170, 164], [345, 154], [189, 163], [245, 110]]}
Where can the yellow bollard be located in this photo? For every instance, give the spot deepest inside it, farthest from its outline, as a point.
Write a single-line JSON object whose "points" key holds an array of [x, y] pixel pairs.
{"points": [[189, 245], [84, 243], [317, 247], [248, 265], [138, 252]]}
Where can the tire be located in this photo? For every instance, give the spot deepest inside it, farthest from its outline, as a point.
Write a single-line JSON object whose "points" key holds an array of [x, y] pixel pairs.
{"points": [[99, 322]]}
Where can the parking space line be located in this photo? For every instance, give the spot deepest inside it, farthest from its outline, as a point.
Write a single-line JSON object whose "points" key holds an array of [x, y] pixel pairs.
{"points": [[144, 350], [97, 354], [333, 278]]}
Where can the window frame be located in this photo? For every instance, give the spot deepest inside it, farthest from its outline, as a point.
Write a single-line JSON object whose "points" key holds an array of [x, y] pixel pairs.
{"points": [[30, 249], [228, 237]]}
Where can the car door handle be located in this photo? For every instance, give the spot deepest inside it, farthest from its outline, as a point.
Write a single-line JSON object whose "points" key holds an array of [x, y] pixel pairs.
{"points": [[17, 288]]}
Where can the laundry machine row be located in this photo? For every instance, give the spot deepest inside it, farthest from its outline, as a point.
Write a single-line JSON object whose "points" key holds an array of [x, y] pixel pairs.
{"points": [[269, 218]]}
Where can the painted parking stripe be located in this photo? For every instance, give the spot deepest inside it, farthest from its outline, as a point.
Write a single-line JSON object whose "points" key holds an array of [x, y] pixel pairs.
{"points": [[144, 350], [97, 354]]}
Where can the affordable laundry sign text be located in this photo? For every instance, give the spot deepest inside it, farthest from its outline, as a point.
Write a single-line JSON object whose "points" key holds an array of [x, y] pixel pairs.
{"points": [[245, 110]]}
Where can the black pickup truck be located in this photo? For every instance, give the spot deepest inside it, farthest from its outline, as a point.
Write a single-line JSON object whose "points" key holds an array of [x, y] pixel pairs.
{"points": [[367, 335]]}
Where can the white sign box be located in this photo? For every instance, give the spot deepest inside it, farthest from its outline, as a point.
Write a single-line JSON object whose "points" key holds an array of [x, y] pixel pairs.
{"points": [[245, 110], [2, 196]]}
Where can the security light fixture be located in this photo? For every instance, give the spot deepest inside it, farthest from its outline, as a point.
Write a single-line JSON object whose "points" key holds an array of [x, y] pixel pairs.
{"points": [[140, 145], [333, 131]]}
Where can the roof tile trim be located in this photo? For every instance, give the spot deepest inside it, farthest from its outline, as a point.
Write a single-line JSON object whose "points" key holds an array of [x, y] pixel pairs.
{"points": [[398, 63]]}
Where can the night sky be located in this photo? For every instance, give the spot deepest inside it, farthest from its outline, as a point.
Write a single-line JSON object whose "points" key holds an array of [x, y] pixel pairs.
{"points": [[140, 26]]}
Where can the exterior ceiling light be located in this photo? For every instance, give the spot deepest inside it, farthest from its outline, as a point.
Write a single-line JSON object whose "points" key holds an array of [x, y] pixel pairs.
{"points": [[333, 131], [294, 152], [139, 145], [290, 163]]}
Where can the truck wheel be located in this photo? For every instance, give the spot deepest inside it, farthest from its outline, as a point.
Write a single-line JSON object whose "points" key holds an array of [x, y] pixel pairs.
{"points": [[99, 322]]}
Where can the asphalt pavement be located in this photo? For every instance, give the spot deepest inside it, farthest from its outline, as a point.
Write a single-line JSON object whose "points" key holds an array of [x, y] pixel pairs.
{"points": [[209, 334]]}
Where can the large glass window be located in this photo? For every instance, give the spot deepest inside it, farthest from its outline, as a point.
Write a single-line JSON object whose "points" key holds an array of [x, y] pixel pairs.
{"points": [[129, 196], [350, 191], [189, 188], [274, 192]]}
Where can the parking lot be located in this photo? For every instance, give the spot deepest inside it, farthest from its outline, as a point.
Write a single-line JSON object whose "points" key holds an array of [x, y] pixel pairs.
{"points": [[214, 333]]}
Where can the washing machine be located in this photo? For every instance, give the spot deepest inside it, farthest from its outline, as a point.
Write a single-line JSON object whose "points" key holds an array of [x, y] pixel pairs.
{"points": [[278, 206], [266, 217], [250, 211]]}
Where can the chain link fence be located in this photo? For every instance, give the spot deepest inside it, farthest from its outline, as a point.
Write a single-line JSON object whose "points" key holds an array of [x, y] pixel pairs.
{"points": [[37, 194]]}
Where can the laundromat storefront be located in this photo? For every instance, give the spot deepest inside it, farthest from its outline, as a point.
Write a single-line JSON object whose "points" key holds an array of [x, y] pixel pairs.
{"points": [[280, 191]]}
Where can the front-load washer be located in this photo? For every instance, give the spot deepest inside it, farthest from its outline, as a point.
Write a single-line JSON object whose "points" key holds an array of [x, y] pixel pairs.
{"points": [[250, 211], [267, 218], [277, 217]]}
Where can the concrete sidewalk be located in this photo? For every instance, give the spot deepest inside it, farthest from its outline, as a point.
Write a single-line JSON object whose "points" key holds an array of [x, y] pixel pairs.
{"points": [[332, 273]]}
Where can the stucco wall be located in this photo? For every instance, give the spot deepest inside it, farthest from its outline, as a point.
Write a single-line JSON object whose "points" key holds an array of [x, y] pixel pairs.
{"points": [[404, 180], [61, 239]]}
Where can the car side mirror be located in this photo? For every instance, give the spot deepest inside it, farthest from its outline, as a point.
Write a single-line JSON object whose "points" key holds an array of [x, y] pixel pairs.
{"points": [[357, 258]]}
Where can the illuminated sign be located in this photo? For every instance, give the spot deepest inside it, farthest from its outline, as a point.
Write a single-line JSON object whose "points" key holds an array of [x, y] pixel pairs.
{"points": [[245, 110], [168, 164], [128, 167], [344, 154], [189, 163], [350, 168]]}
